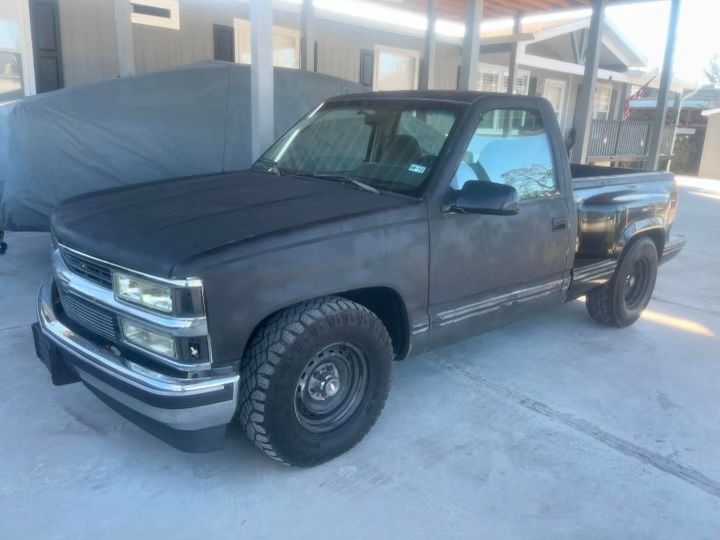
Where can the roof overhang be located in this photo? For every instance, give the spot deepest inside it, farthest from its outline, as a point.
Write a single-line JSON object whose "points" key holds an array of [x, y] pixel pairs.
{"points": [[455, 9]]}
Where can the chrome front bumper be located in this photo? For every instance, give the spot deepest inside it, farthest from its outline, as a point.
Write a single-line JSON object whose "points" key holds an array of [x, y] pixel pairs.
{"points": [[191, 413]]}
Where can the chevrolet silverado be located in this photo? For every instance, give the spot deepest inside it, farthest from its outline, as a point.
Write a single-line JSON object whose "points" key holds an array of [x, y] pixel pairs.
{"points": [[380, 226]]}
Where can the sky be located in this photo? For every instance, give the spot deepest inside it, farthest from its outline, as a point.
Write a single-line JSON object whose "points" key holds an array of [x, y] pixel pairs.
{"points": [[645, 26]]}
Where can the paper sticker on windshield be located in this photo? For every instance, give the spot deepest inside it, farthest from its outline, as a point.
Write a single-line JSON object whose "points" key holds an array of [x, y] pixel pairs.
{"points": [[414, 167]]}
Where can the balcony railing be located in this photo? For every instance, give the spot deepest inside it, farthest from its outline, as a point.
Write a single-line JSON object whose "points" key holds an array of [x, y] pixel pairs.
{"points": [[625, 140]]}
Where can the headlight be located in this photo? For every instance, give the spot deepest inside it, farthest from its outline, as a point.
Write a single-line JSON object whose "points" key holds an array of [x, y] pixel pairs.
{"points": [[148, 339], [143, 292]]}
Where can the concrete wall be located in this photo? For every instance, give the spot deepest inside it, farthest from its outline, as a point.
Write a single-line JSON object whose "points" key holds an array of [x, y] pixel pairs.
{"points": [[710, 160]]}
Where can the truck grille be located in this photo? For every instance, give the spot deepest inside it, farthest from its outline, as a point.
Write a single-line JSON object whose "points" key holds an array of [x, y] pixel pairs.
{"points": [[90, 316], [87, 268]]}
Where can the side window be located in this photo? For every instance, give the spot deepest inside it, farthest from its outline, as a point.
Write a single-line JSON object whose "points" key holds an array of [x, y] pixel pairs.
{"points": [[510, 146]]}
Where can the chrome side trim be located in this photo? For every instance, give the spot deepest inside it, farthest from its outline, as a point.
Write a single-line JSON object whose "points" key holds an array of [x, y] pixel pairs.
{"points": [[187, 282], [420, 326], [487, 305], [176, 326], [121, 368], [593, 272]]}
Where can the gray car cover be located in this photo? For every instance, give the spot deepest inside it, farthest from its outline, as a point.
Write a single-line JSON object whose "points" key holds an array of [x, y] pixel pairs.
{"points": [[186, 121]]}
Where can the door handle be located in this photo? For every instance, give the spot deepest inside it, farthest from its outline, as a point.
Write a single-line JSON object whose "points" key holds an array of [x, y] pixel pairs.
{"points": [[559, 224]]}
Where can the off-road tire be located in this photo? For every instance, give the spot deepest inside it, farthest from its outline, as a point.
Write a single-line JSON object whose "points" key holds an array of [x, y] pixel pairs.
{"points": [[608, 304], [276, 358]]}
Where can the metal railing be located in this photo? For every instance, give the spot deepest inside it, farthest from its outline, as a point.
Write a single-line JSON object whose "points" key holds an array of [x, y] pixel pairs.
{"points": [[625, 140]]}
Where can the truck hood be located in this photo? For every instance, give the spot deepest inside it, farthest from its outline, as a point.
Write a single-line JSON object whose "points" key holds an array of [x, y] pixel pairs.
{"points": [[152, 227]]}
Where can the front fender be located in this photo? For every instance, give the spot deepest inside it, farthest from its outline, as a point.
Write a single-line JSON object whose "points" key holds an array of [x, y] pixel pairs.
{"points": [[248, 285]]}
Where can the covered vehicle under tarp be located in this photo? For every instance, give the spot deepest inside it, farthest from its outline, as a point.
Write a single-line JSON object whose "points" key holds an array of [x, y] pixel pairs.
{"points": [[186, 121]]}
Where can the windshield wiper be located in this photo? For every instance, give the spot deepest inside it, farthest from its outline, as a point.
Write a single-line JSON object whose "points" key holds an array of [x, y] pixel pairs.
{"points": [[345, 177], [273, 166]]}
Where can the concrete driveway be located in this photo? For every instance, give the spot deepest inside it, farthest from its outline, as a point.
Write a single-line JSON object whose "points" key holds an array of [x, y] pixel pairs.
{"points": [[554, 427]]}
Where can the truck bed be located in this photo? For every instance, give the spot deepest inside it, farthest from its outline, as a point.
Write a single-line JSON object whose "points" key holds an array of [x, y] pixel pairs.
{"points": [[613, 204]]}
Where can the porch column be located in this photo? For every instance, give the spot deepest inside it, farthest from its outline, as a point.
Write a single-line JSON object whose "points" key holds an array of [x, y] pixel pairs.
{"points": [[512, 67], [307, 39], [471, 44], [124, 38], [261, 77], [427, 67], [582, 119], [26, 47], [665, 80]]}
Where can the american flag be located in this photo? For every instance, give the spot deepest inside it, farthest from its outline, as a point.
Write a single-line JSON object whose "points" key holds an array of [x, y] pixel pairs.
{"points": [[637, 94]]}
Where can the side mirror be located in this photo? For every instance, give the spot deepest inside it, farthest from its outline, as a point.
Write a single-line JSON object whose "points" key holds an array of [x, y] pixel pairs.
{"points": [[479, 197]]}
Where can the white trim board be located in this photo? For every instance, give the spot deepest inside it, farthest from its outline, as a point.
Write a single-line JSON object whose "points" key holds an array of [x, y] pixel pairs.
{"points": [[26, 48], [531, 60], [173, 23]]}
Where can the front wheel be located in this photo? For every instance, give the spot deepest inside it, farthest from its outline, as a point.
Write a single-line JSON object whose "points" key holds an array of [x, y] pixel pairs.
{"points": [[314, 380], [621, 301]]}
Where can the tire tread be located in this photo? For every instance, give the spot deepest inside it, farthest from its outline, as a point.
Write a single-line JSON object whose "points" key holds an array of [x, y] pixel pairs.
{"points": [[264, 356]]}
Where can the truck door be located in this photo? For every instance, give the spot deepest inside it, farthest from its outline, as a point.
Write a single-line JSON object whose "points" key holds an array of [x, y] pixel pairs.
{"points": [[486, 270]]}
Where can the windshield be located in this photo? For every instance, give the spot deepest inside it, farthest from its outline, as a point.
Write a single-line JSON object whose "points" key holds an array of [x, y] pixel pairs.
{"points": [[373, 146]]}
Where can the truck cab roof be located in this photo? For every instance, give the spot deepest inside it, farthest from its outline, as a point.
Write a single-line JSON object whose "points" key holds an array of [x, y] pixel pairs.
{"points": [[456, 96]]}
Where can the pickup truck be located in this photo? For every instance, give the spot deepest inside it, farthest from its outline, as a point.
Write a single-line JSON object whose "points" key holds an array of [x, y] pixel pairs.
{"points": [[380, 226]]}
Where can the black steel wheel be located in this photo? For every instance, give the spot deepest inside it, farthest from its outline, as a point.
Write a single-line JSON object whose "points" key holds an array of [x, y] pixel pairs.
{"points": [[622, 300], [331, 387], [636, 283], [314, 380]]}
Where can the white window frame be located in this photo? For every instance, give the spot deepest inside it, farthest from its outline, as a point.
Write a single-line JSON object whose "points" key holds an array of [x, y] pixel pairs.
{"points": [[598, 86], [291, 33], [558, 84], [501, 73], [242, 26], [395, 50], [172, 6]]}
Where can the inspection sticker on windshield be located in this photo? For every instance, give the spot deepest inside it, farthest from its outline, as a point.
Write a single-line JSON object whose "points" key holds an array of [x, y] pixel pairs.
{"points": [[414, 167]]}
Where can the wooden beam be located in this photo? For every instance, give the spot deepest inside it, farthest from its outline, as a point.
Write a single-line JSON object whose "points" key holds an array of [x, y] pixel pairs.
{"points": [[124, 38], [471, 44], [512, 67], [583, 108], [514, 8], [427, 70], [575, 47], [262, 95], [307, 36], [665, 80], [541, 62], [26, 46]]}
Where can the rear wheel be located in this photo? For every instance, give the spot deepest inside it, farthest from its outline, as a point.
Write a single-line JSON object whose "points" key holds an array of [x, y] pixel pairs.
{"points": [[621, 301], [314, 380]]}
